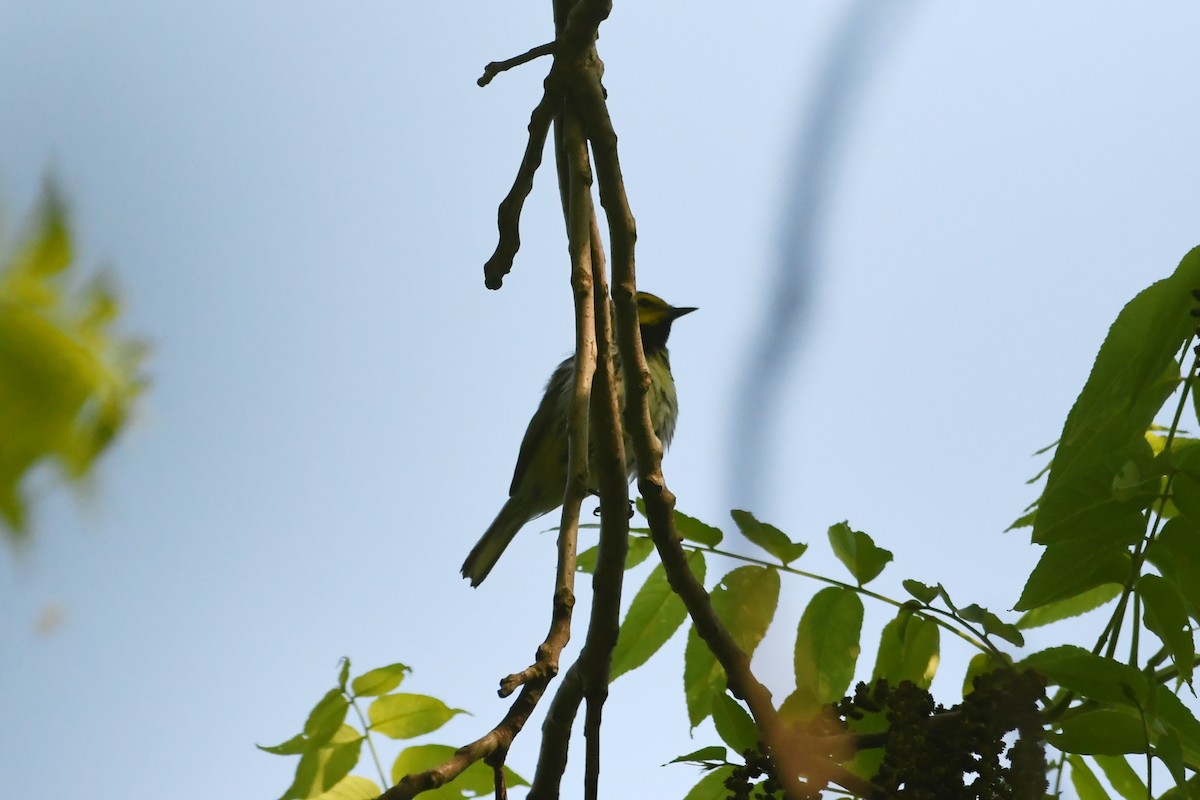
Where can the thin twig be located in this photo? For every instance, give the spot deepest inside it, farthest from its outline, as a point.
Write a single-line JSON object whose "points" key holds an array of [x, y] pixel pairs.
{"points": [[496, 67], [508, 217]]}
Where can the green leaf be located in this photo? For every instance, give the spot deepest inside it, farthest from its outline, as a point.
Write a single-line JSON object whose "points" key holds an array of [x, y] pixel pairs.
{"points": [[1074, 567], [768, 537], [326, 717], [1087, 498], [858, 552], [694, 530], [1176, 553], [1122, 777], [380, 680], [711, 786], [640, 548], [474, 781], [1170, 752], [403, 716], [343, 674], [67, 381], [1070, 607], [980, 664], [1170, 710], [705, 756], [992, 625], [653, 617], [292, 747], [827, 648], [1105, 731], [352, 787], [1026, 520], [922, 591], [745, 602], [909, 650], [1084, 780], [1166, 616], [1092, 676], [734, 724], [323, 767]]}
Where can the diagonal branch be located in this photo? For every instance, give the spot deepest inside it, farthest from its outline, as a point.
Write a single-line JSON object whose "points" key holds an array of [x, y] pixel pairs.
{"points": [[496, 67]]}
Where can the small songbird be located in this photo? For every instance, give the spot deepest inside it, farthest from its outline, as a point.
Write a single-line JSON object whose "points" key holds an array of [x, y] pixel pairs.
{"points": [[541, 474]]}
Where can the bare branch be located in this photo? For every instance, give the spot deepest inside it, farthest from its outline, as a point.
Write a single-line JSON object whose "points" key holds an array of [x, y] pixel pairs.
{"points": [[508, 217], [496, 67]]}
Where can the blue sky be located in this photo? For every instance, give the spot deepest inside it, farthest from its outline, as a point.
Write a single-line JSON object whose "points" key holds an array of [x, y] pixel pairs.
{"points": [[297, 198]]}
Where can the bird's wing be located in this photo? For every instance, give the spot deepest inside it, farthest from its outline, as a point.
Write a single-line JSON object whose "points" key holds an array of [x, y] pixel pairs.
{"points": [[539, 432]]}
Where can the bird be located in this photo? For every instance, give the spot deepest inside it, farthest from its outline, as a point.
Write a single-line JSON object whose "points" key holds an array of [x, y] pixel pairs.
{"points": [[540, 477]]}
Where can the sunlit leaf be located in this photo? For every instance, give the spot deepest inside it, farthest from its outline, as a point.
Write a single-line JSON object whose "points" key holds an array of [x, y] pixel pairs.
{"points": [[858, 552], [403, 716], [1121, 776], [1105, 731], [475, 780], [705, 756], [380, 680], [67, 382], [827, 647], [734, 724], [653, 617], [711, 786], [1165, 615], [1092, 676], [1084, 780], [326, 717], [1071, 607], [909, 650], [640, 547], [1135, 371], [980, 664], [323, 767], [745, 602], [352, 787], [768, 537]]}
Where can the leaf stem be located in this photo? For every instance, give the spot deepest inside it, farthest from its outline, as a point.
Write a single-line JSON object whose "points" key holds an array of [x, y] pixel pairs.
{"points": [[370, 742]]}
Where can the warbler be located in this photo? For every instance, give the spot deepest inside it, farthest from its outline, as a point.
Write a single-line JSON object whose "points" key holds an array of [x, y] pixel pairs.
{"points": [[540, 477]]}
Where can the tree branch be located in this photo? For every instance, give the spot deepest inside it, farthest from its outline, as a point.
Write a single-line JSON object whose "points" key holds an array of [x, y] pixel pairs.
{"points": [[496, 67]]}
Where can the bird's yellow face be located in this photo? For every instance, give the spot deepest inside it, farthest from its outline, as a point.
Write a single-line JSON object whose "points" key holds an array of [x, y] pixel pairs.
{"points": [[653, 310]]}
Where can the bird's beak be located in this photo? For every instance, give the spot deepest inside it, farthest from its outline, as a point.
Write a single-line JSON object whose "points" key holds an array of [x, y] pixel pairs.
{"points": [[676, 313]]}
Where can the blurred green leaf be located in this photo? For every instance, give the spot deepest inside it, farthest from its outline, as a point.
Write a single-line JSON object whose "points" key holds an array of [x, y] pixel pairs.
{"points": [[474, 781], [705, 756], [980, 664], [1070, 607], [344, 673], [1165, 615], [380, 680], [403, 716], [768, 537], [734, 724], [1122, 777], [827, 648], [640, 548], [292, 747], [1084, 780], [745, 602], [653, 617], [909, 650], [67, 383], [711, 786], [858, 552]]}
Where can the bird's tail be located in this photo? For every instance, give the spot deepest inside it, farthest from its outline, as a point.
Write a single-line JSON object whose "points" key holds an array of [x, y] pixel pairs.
{"points": [[491, 545]]}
